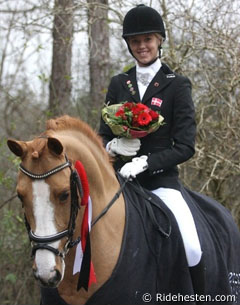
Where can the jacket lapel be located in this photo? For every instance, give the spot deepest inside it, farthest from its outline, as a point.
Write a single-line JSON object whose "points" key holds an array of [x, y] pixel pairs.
{"points": [[162, 79], [130, 83], [158, 83]]}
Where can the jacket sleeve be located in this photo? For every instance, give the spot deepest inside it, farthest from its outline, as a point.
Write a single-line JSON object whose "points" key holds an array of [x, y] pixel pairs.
{"points": [[183, 131], [111, 98]]}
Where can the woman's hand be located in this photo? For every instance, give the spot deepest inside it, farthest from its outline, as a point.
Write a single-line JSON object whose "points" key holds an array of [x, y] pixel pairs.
{"points": [[135, 167], [123, 146]]}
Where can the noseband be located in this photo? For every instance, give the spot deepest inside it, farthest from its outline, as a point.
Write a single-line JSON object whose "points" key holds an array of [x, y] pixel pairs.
{"points": [[42, 242]]}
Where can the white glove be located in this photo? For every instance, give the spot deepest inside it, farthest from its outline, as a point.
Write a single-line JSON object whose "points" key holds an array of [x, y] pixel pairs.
{"points": [[123, 146], [135, 167]]}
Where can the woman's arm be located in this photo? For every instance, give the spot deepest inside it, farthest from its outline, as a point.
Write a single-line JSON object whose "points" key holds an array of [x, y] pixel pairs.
{"points": [[183, 131]]}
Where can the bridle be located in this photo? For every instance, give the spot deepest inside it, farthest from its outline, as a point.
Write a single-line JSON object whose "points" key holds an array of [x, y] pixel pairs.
{"points": [[42, 242]]}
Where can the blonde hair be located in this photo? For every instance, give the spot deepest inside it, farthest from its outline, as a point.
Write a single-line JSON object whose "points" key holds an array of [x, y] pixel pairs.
{"points": [[159, 36]]}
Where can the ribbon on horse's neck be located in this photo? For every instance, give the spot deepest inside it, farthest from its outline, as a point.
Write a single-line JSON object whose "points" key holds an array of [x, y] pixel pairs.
{"points": [[87, 274]]}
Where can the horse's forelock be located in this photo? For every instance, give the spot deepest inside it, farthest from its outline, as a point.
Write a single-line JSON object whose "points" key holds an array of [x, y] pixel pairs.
{"points": [[37, 147]]}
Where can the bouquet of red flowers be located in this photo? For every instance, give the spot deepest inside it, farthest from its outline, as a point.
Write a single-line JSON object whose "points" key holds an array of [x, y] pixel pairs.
{"points": [[131, 120]]}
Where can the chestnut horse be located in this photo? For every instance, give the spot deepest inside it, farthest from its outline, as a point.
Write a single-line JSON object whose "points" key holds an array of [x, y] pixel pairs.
{"points": [[137, 250], [46, 202]]}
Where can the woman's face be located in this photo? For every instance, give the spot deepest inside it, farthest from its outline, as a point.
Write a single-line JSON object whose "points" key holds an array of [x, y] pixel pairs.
{"points": [[144, 47]]}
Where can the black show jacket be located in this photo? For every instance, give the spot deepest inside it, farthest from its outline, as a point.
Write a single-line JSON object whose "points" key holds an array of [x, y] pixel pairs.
{"points": [[173, 143]]}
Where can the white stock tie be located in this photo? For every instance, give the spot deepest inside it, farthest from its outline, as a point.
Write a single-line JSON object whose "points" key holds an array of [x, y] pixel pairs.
{"points": [[144, 78]]}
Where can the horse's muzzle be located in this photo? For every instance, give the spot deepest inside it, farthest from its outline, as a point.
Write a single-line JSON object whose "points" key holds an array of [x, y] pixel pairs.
{"points": [[51, 281]]}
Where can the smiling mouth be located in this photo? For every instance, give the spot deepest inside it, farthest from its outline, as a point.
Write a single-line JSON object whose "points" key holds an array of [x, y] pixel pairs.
{"points": [[143, 53]]}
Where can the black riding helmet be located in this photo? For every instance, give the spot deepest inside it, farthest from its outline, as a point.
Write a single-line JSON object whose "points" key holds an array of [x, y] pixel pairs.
{"points": [[143, 19]]}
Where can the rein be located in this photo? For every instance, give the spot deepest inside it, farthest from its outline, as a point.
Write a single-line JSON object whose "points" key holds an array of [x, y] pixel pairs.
{"points": [[116, 196]]}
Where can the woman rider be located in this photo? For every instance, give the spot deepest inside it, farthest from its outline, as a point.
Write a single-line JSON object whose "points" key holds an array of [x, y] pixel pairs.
{"points": [[152, 83]]}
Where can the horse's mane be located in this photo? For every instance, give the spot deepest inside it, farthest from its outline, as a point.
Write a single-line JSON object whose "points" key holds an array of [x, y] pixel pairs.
{"points": [[66, 122]]}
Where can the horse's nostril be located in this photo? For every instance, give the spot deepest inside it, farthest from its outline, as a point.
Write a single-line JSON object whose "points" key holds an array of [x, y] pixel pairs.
{"points": [[58, 275], [55, 279]]}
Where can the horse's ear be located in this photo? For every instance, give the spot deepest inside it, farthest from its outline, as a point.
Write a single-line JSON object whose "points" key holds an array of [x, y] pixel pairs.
{"points": [[55, 146], [19, 148]]}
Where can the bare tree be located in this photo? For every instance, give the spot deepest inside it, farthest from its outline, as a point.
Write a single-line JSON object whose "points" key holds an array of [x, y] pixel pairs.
{"points": [[98, 31], [60, 82]]}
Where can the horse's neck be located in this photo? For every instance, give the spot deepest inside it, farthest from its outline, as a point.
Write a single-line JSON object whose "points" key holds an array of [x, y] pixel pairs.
{"points": [[106, 235], [100, 173]]}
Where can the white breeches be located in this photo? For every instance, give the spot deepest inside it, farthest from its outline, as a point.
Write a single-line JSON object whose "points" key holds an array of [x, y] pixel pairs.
{"points": [[175, 202]]}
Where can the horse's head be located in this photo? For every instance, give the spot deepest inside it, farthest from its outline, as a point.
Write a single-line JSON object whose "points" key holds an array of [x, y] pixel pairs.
{"points": [[44, 188]]}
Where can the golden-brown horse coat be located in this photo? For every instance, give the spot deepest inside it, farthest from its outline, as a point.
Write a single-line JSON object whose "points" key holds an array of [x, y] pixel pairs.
{"points": [[79, 142]]}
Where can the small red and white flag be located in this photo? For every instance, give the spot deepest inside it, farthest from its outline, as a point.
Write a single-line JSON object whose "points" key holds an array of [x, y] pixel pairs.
{"points": [[156, 102]]}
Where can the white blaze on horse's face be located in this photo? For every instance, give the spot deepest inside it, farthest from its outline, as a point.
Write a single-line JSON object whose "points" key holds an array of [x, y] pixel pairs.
{"points": [[43, 210]]}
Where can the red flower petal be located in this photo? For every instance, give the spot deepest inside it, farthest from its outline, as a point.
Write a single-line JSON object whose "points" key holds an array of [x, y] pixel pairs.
{"points": [[154, 114], [144, 119], [128, 105], [120, 112]]}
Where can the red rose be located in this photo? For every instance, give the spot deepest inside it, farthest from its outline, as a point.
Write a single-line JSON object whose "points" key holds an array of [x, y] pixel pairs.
{"points": [[128, 105], [154, 115], [139, 108], [121, 113], [136, 110], [142, 107]]}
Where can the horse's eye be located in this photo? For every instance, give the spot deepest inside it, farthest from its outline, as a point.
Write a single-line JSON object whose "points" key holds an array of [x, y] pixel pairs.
{"points": [[64, 196]]}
